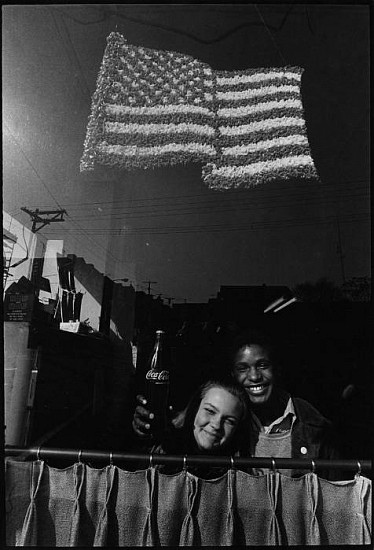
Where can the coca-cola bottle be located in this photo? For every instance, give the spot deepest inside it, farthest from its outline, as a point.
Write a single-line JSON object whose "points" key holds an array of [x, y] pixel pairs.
{"points": [[157, 384]]}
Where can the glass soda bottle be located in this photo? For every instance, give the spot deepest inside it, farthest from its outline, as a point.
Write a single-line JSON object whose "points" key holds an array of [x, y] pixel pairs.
{"points": [[157, 384]]}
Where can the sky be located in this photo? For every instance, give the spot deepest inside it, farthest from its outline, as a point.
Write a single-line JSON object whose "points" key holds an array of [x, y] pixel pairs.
{"points": [[165, 226]]}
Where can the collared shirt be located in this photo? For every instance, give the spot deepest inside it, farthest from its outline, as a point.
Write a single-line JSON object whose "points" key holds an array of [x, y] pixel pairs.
{"points": [[281, 425], [275, 439]]}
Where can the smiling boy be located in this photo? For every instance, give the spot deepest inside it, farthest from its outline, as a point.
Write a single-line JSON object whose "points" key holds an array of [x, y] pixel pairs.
{"points": [[281, 426]]}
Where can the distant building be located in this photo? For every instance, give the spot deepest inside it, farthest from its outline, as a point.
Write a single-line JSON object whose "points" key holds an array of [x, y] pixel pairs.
{"points": [[246, 304]]}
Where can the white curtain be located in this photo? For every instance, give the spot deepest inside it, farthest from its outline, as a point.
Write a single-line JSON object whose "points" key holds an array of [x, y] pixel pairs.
{"points": [[84, 506]]}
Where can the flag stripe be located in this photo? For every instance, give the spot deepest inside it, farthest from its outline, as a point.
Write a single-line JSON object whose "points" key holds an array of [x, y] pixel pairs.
{"points": [[263, 155], [267, 144], [258, 167], [152, 140], [131, 151], [132, 157], [123, 128], [256, 92], [233, 141], [177, 118], [258, 77], [245, 110], [158, 110], [262, 126]]}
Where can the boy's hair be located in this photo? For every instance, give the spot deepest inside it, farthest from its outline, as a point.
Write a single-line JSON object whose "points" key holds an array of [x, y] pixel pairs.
{"points": [[251, 337]]}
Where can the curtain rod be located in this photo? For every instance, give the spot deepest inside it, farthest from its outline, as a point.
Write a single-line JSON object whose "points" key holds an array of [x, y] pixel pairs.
{"points": [[82, 455]]}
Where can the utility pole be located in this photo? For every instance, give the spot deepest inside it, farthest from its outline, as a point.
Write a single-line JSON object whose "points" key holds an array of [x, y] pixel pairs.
{"points": [[149, 283], [339, 249], [37, 219]]}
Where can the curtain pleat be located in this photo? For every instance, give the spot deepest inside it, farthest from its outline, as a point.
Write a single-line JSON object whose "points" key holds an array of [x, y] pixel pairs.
{"points": [[229, 532], [29, 535], [134, 516], [60, 495], [190, 534], [101, 534], [298, 510], [172, 507], [273, 487], [254, 513], [149, 532], [314, 537], [345, 527], [207, 524], [84, 506], [79, 477], [17, 499], [365, 508]]}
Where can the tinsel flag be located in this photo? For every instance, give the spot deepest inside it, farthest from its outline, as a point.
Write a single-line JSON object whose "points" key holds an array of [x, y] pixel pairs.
{"points": [[157, 108], [150, 108], [261, 129]]}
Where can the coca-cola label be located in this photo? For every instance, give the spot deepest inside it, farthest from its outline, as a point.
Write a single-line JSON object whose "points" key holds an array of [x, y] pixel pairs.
{"points": [[158, 376]]}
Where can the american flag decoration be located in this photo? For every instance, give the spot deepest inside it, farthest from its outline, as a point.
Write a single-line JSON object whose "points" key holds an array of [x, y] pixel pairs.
{"points": [[156, 108], [261, 129], [150, 108]]}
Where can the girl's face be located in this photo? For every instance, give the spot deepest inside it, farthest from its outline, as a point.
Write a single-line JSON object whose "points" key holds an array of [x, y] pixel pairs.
{"points": [[217, 419]]}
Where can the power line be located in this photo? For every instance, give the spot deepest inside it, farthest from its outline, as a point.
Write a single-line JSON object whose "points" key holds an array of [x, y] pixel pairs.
{"points": [[225, 196], [108, 13], [191, 209], [32, 167], [274, 224], [285, 199], [123, 215], [95, 243], [339, 249], [87, 91], [69, 88], [270, 34], [48, 190]]}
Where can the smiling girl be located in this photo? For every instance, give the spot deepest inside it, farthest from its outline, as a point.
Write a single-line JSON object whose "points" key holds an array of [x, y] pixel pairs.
{"points": [[214, 422]]}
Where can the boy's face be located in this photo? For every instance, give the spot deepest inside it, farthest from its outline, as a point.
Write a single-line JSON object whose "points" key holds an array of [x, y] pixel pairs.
{"points": [[254, 370]]}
